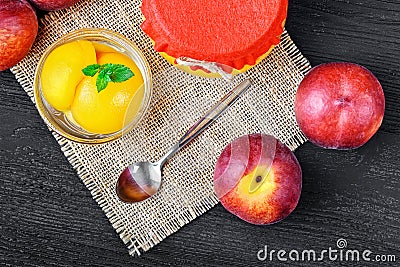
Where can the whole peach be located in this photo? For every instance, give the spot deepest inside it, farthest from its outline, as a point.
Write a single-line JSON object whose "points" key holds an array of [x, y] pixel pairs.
{"points": [[258, 179], [339, 105], [18, 30]]}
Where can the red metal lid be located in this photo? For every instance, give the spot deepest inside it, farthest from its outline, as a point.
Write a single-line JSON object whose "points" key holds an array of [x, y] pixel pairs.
{"points": [[234, 33]]}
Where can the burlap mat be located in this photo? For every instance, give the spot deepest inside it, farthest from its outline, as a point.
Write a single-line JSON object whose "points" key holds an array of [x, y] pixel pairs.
{"points": [[179, 99]]}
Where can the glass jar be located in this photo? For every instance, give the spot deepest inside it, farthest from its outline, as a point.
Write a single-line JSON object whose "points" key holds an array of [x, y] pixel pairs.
{"points": [[63, 122]]}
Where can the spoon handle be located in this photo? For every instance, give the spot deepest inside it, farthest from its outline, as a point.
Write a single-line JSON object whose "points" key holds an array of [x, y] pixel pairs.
{"points": [[208, 118]]}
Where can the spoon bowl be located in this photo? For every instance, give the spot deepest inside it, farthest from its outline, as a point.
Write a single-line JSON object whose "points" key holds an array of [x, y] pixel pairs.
{"points": [[139, 181]]}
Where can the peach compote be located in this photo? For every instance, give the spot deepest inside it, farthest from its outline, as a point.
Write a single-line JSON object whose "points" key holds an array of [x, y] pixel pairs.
{"points": [[98, 88]]}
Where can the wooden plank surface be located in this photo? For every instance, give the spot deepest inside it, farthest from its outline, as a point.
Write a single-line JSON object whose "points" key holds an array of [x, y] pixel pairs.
{"points": [[48, 217]]}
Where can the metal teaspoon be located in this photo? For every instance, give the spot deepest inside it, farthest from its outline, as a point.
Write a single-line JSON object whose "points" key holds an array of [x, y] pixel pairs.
{"points": [[141, 180]]}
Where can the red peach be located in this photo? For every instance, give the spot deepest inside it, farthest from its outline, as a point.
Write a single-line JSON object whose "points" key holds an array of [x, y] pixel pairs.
{"points": [[18, 30], [339, 105], [258, 179]]}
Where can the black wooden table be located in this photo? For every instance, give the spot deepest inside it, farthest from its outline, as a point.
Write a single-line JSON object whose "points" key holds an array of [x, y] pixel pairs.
{"points": [[48, 217]]}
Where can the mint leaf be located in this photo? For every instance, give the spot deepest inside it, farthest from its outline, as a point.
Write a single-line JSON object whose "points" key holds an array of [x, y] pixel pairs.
{"points": [[103, 78], [120, 73], [108, 72], [101, 84], [91, 70]]}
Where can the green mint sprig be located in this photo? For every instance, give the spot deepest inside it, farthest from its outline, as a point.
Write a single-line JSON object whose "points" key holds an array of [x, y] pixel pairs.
{"points": [[108, 72]]}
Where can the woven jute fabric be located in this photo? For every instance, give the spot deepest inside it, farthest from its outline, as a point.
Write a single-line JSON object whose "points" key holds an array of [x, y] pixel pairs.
{"points": [[179, 100]]}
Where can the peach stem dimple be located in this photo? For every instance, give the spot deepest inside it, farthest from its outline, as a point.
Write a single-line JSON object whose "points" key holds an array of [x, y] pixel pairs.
{"points": [[343, 101], [257, 182]]}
